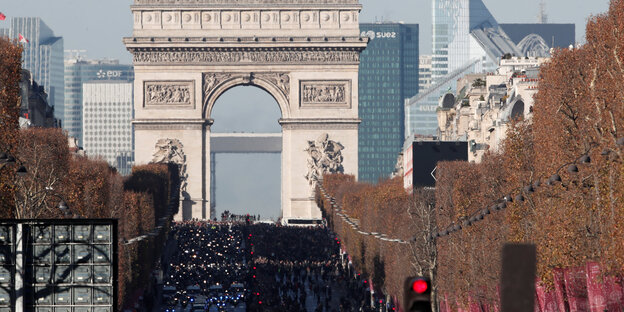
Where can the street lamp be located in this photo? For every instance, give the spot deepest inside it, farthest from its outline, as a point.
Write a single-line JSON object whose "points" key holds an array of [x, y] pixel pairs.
{"points": [[64, 209], [6, 159]]}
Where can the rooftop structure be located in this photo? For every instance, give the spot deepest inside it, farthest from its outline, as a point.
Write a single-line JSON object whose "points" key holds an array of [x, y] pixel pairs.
{"points": [[480, 111]]}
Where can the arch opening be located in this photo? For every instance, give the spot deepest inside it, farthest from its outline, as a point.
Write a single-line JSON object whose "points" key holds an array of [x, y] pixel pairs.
{"points": [[517, 111], [245, 172]]}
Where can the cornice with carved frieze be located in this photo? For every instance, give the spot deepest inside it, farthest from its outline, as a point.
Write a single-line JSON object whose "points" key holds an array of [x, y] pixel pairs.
{"points": [[189, 56], [241, 2]]}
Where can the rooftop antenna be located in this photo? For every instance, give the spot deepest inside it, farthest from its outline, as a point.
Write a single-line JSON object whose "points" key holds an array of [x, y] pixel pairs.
{"points": [[542, 17]]}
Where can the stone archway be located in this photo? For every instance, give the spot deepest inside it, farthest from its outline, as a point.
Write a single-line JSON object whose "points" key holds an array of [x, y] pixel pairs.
{"points": [[305, 53], [276, 84]]}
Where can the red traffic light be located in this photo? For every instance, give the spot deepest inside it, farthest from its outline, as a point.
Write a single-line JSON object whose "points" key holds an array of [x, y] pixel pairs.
{"points": [[420, 286]]}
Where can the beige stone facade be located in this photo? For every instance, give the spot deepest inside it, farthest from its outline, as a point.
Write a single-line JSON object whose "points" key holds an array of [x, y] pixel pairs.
{"points": [[304, 53], [481, 110]]}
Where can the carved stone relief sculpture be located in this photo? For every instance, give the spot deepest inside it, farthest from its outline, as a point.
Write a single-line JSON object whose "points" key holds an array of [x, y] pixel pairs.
{"points": [[281, 81], [324, 156], [165, 93], [235, 57], [326, 94], [172, 151], [195, 2]]}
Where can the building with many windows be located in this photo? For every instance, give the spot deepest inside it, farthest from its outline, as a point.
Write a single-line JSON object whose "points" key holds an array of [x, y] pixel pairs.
{"points": [[79, 70], [34, 108], [424, 73], [484, 105], [42, 56], [466, 39], [107, 129], [388, 75], [465, 31]]}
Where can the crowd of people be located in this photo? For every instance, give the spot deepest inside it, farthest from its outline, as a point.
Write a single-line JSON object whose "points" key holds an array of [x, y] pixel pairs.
{"points": [[208, 263], [259, 267], [301, 269]]}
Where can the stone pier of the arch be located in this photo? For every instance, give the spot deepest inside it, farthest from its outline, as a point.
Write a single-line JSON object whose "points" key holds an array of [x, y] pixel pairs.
{"points": [[186, 53]]}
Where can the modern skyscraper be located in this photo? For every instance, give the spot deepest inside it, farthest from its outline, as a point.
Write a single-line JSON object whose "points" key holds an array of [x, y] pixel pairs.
{"points": [[466, 39], [424, 73], [79, 70], [107, 128], [465, 30], [388, 75], [42, 56]]}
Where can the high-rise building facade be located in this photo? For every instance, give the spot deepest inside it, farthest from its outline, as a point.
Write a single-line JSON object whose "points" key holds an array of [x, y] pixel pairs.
{"points": [[466, 39], [107, 116], [424, 72], [79, 70], [42, 56], [465, 30], [388, 75]]}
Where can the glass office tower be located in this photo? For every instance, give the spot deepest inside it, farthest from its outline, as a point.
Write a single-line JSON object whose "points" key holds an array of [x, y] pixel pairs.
{"points": [[79, 70], [466, 39], [42, 56], [388, 75], [465, 31]]}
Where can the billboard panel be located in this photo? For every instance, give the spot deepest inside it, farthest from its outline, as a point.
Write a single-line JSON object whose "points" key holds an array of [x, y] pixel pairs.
{"points": [[425, 158], [68, 265]]}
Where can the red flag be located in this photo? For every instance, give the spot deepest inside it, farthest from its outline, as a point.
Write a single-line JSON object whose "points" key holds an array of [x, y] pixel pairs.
{"points": [[2, 17], [22, 39]]}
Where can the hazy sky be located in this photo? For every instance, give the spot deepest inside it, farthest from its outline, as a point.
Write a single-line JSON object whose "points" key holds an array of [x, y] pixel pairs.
{"points": [[250, 183]]}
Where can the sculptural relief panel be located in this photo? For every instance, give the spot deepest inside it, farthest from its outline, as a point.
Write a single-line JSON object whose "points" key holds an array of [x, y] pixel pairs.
{"points": [[191, 20], [230, 19], [324, 156], [289, 20], [236, 57], [171, 20], [250, 19], [151, 20], [169, 94], [246, 19], [195, 2], [270, 20], [325, 94], [349, 20], [211, 20], [329, 20], [310, 19]]}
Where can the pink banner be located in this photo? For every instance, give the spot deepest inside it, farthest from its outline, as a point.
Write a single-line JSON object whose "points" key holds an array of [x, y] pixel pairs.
{"points": [[547, 300], [444, 306], [595, 291], [460, 307], [560, 293], [536, 305], [604, 293], [576, 289], [474, 305], [614, 293]]}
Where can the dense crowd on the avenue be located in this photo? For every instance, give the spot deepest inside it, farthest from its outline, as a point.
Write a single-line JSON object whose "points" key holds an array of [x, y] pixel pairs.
{"points": [[263, 267], [205, 267]]}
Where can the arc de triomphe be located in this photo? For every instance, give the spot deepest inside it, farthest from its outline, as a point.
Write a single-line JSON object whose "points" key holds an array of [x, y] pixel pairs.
{"points": [[305, 53]]}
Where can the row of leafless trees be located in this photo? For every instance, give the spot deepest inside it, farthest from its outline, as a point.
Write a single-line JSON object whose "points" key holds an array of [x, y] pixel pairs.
{"points": [[578, 112], [90, 188]]}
